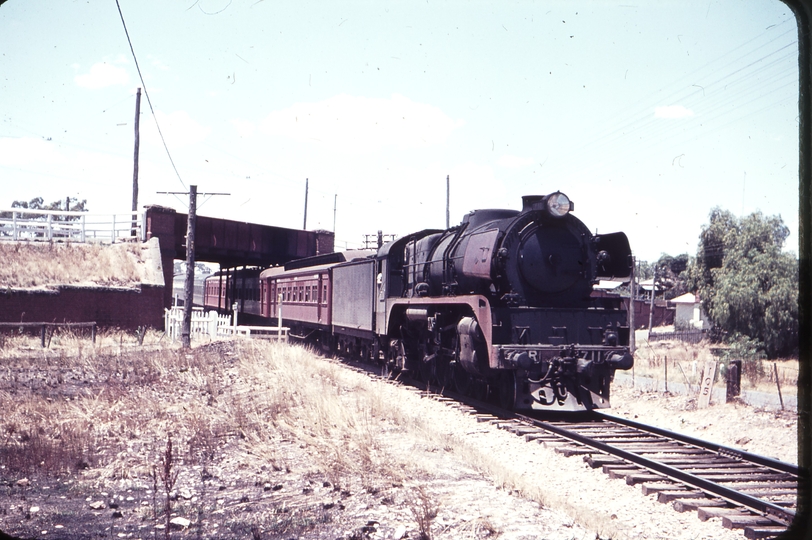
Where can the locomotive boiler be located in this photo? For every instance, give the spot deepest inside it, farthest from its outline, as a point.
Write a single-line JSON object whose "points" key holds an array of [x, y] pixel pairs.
{"points": [[502, 305]]}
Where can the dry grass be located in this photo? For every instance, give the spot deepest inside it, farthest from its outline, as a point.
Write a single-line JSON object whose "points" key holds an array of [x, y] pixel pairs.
{"points": [[37, 265], [686, 362], [247, 419], [114, 427]]}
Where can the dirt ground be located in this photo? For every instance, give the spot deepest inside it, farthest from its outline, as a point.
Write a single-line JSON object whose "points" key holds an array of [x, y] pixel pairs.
{"points": [[402, 466]]}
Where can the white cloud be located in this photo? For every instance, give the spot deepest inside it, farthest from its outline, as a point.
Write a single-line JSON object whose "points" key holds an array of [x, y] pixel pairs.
{"points": [[514, 162], [672, 111], [103, 74], [157, 63], [18, 152], [359, 124], [244, 128], [178, 128]]}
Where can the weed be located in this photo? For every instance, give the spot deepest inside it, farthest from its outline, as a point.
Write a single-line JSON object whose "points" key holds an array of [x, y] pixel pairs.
{"points": [[423, 509], [168, 476]]}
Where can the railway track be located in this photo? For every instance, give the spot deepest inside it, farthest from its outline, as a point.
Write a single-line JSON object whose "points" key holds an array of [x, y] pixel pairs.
{"points": [[753, 493], [747, 491]]}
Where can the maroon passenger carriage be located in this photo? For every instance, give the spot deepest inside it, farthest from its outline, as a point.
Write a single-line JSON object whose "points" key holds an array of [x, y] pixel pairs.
{"points": [[223, 289], [304, 289]]}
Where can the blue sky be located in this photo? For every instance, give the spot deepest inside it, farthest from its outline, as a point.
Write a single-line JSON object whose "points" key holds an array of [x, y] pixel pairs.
{"points": [[647, 114]]}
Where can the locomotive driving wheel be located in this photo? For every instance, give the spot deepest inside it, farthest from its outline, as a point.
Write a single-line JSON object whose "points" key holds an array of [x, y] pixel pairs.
{"points": [[462, 379], [443, 372], [507, 390], [425, 369], [397, 355], [479, 389]]}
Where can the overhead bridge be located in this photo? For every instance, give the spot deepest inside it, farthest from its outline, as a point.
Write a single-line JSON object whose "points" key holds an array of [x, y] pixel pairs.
{"points": [[229, 243]]}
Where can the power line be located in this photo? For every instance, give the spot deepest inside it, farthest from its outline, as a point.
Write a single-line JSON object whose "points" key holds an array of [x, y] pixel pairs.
{"points": [[149, 101]]}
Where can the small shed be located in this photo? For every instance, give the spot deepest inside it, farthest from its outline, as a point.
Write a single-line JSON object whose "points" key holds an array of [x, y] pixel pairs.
{"points": [[689, 312], [647, 285]]}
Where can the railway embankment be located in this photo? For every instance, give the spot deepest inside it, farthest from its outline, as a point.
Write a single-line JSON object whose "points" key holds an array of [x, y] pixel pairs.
{"points": [[115, 285]]}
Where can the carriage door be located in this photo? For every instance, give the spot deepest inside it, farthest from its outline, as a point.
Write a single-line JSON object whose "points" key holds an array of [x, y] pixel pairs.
{"points": [[318, 298]]}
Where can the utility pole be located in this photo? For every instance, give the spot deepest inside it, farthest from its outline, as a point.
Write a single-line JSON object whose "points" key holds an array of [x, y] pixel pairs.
{"points": [[447, 201], [135, 160], [653, 292], [189, 284], [304, 227], [378, 240], [632, 290]]}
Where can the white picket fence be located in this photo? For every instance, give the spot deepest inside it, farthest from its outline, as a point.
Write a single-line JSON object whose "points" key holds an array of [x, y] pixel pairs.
{"points": [[53, 226], [213, 325]]}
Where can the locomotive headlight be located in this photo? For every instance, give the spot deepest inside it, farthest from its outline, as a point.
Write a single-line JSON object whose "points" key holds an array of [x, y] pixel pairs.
{"points": [[558, 204]]}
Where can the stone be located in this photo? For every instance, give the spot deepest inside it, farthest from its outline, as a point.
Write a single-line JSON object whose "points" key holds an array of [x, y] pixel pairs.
{"points": [[400, 532], [98, 505], [22, 482], [180, 522]]}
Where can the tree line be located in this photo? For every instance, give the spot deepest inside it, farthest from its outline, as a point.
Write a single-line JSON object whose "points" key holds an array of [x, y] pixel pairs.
{"points": [[69, 204], [747, 283]]}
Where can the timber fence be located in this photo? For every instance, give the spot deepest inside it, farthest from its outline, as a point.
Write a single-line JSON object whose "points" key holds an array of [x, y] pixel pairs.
{"points": [[687, 336], [212, 325]]}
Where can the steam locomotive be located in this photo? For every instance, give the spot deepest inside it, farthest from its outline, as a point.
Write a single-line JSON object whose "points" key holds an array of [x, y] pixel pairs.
{"points": [[498, 306]]}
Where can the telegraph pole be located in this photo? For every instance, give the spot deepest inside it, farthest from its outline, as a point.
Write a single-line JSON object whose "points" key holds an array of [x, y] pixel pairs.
{"points": [[447, 201], [378, 240], [189, 284], [632, 290], [653, 292], [135, 160], [304, 227]]}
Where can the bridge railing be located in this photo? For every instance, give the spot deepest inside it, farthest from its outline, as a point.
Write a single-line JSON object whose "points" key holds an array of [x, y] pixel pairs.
{"points": [[60, 226]]}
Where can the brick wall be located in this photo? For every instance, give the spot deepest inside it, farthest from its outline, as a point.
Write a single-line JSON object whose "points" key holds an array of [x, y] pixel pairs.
{"points": [[122, 308]]}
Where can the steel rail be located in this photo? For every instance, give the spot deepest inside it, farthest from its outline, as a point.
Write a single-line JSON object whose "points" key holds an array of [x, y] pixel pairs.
{"points": [[726, 451], [772, 511], [769, 510]]}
